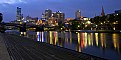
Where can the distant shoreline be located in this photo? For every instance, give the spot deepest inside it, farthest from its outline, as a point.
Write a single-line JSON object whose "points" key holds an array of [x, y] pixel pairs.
{"points": [[88, 31], [97, 31]]}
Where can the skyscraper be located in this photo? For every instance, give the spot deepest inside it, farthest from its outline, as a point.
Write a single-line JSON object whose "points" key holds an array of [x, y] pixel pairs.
{"points": [[48, 14], [78, 14], [59, 15], [19, 16], [31, 20], [102, 13]]}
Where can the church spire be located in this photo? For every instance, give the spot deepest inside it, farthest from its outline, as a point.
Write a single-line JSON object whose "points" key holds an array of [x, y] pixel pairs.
{"points": [[102, 13]]}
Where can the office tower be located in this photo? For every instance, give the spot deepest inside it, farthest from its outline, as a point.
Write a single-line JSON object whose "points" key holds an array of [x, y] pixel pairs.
{"points": [[1, 17], [19, 16], [48, 14], [28, 18], [102, 13], [59, 15], [78, 14], [31, 20], [56, 18], [43, 15]]}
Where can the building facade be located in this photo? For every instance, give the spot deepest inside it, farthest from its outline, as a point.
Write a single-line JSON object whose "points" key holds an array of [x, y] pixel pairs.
{"points": [[77, 14], [59, 16], [47, 14], [30, 20], [52, 18], [19, 15]]}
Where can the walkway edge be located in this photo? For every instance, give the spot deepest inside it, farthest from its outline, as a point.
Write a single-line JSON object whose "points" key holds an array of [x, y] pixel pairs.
{"points": [[4, 55]]}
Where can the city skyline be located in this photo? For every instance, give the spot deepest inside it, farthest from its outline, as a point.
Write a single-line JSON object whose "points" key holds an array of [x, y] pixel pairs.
{"points": [[35, 8]]}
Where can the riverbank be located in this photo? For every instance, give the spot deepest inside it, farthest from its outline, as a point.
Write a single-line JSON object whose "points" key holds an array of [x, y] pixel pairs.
{"points": [[95, 31], [26, 49], [88, 31]]}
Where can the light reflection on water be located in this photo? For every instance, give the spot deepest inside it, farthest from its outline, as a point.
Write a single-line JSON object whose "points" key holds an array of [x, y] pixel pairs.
{"points": [[40, 36], [116, 42], [106, 45]]}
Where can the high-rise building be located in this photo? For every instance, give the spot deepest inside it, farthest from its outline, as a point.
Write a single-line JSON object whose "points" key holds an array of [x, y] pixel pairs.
{"points": [[19, 16], [52, 21], [53, 18], [31, 20], [78, 14], [102, 13], [43, 17], [48, 14], [59, 15]]}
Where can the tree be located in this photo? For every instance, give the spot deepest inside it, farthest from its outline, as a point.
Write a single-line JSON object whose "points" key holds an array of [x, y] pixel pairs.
{"points": [[75, 24], [1, 17], [111, 18], [96, 20]]}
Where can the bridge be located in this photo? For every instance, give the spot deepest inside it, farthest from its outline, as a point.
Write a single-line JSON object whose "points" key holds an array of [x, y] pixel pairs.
{"points": [[22, 27]]}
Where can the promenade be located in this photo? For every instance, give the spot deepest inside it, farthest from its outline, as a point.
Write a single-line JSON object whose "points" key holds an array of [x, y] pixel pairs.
{"points": [[13, 47], [4, 55]]}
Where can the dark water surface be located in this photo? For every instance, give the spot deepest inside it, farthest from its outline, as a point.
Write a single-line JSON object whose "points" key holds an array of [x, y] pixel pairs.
{"points": [[105, 45]]}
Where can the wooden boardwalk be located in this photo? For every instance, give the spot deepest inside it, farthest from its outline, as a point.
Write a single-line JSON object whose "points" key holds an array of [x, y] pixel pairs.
{"points": [[21, 48], [4, 55]]}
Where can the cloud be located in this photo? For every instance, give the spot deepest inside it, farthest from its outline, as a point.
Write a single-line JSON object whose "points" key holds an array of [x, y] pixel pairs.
{"points": [[12, 1]]}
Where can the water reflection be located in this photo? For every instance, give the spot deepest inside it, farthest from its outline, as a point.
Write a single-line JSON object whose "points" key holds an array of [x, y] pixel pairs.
{"points": [[52, 38], [96, 38], [79, 40], [70, 37], [116, 41], [85, 39], [102, 43], [40, 36], [106, 45], [55, 38], [103, 40]]}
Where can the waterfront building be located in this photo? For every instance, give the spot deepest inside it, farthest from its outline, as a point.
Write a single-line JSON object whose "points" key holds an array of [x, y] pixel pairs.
{"points": [[19, 16], [78, 14], [30, 20], [43, 17], [52, 21], [41, 22], [59, 16], [68, 19], [47, 14], [86, 18], [53, 18]]}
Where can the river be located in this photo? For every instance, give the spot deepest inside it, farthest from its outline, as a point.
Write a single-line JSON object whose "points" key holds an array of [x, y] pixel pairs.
{"points": [[105, 45]]}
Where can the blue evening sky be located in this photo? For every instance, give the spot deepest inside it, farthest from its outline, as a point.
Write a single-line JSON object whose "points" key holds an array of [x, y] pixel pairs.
{"points": [[34, 8]]}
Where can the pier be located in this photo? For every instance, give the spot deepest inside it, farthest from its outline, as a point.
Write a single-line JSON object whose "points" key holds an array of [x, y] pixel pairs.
{"points": [[13, 47]]}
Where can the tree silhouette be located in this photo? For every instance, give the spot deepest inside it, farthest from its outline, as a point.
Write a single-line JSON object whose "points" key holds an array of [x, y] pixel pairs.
{"points": [[1, 18]]}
